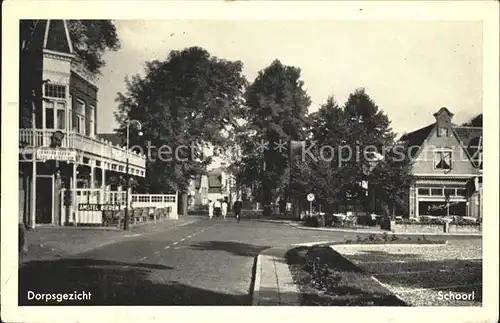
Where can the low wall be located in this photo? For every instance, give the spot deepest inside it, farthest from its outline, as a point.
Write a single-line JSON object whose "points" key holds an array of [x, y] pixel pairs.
{"points": [[465, 229], [434, 228]]}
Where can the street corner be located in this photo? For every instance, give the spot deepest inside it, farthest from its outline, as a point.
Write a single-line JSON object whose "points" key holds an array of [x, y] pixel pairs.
{"points": [[273, 284]]}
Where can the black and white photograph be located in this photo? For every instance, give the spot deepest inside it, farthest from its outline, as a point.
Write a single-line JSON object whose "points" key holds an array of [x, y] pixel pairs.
{"points": [[326, 164]]}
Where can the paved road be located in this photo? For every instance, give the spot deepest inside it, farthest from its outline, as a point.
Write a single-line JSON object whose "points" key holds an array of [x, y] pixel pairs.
{"points": [[208, 262]]}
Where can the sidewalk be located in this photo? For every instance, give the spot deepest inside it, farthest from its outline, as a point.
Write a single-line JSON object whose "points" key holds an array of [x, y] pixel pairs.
{"points": [[46, 243], [273, 284]]}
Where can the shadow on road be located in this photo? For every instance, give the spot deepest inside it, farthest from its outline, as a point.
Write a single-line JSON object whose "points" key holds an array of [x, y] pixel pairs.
{"points": [[235, 248], [113, 283]]}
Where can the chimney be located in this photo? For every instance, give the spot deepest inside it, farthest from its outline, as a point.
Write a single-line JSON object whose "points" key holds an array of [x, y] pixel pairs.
{"points": [[443, 122]]}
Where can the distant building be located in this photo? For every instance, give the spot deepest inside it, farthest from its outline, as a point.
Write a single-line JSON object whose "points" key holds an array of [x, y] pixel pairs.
{"points": [[447, 162], [215, 184]]}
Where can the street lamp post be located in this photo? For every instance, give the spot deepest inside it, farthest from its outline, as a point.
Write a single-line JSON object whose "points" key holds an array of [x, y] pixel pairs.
{"points": [[127, 176], [358, 120]]}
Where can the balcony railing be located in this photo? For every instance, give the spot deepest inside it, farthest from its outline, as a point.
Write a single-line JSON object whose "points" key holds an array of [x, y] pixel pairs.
{"points": [[30, 138]]}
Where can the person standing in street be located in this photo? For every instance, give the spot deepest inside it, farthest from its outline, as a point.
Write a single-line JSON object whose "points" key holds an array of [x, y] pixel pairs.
{"points": [[237, 209], [217, 206], [224, 209], [210, 209]]}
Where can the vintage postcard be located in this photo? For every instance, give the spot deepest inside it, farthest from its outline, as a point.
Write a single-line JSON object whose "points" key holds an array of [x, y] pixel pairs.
{"points": [[241, 160]]}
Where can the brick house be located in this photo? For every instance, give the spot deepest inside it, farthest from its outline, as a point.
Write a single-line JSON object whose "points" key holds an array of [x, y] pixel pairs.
{"points": [[447, 164]]}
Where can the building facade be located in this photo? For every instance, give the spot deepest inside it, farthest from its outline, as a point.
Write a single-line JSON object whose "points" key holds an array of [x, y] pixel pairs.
{"points": [[217, 184], [447, 166], [60, 153]]}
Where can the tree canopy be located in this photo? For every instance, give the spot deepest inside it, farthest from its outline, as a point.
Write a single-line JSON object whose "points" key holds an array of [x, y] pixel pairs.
{"points": [[353, 144], [275, 112], [191, 99]]}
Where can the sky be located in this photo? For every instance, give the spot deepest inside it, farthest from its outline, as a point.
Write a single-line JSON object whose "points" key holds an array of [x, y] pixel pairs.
{"points": [[409, 68]]}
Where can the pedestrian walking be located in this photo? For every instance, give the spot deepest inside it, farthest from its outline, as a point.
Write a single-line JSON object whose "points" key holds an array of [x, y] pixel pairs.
{"points": [[210, 209], [224, 209], [217, 206], [237, 209]]}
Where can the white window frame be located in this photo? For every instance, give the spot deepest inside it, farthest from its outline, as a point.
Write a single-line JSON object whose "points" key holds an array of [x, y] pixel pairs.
{"points": [[56, 101], [436, 153], [80, 117]]}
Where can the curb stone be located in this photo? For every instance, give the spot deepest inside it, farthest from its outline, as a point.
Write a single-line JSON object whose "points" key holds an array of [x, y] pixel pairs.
{"points": [[279, 289], [298, 226], [273, 283]]}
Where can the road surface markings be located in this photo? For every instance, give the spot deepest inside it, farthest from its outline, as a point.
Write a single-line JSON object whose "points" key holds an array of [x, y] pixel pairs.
{"points": [[166, 247], [175, 243], [183, 239]]}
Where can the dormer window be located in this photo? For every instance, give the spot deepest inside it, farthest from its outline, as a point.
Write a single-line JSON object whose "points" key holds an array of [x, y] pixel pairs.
{"points": [[444, 132]]}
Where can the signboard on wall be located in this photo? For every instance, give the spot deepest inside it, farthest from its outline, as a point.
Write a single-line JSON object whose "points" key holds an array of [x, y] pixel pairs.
{"points": [[438, 208], [56, 154], [98, 207]]}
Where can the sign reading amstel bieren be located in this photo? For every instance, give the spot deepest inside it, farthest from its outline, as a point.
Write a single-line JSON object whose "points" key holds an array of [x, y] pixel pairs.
{"points": [[98, 207]]}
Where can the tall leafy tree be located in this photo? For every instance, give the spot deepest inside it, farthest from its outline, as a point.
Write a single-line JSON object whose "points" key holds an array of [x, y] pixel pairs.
{"points": [[275, 112], [360, 148], [320, 172], [191, 99]]}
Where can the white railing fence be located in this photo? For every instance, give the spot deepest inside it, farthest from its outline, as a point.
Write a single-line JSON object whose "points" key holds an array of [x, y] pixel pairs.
{"points": [[71, 214], [72, 140]]}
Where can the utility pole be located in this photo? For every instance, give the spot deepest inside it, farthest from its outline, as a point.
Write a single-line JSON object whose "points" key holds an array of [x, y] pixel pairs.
{"points": [[127, 177]]}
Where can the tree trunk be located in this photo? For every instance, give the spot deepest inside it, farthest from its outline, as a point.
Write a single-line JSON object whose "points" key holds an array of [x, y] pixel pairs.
{"points": [[184, 203]]}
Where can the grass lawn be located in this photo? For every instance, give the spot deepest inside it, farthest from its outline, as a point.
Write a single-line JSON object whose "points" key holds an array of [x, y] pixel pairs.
{"points": [[325, 278]]}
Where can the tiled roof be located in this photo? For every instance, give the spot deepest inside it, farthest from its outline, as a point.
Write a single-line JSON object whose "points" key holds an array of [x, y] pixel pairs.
{"points": [[57, 38], [214, 180], [471, 138], [113, 137], [416, 138], [214, 190]]}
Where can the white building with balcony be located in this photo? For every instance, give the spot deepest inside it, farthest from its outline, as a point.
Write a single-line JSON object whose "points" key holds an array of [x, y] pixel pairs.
{"points": [[65, 104]]}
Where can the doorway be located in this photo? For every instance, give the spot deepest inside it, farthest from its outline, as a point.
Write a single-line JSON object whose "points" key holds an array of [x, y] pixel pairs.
{"points": [[44, 199]]}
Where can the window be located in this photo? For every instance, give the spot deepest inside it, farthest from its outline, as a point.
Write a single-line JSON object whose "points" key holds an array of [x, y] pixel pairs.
{"points": [[61, 116], [79, 117], [443, 132], [450, 192], [436, 191], [49, 115], [443, 160], [91, 131], [423, 191], [55, 115], [55, 91], [461, 192]]}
